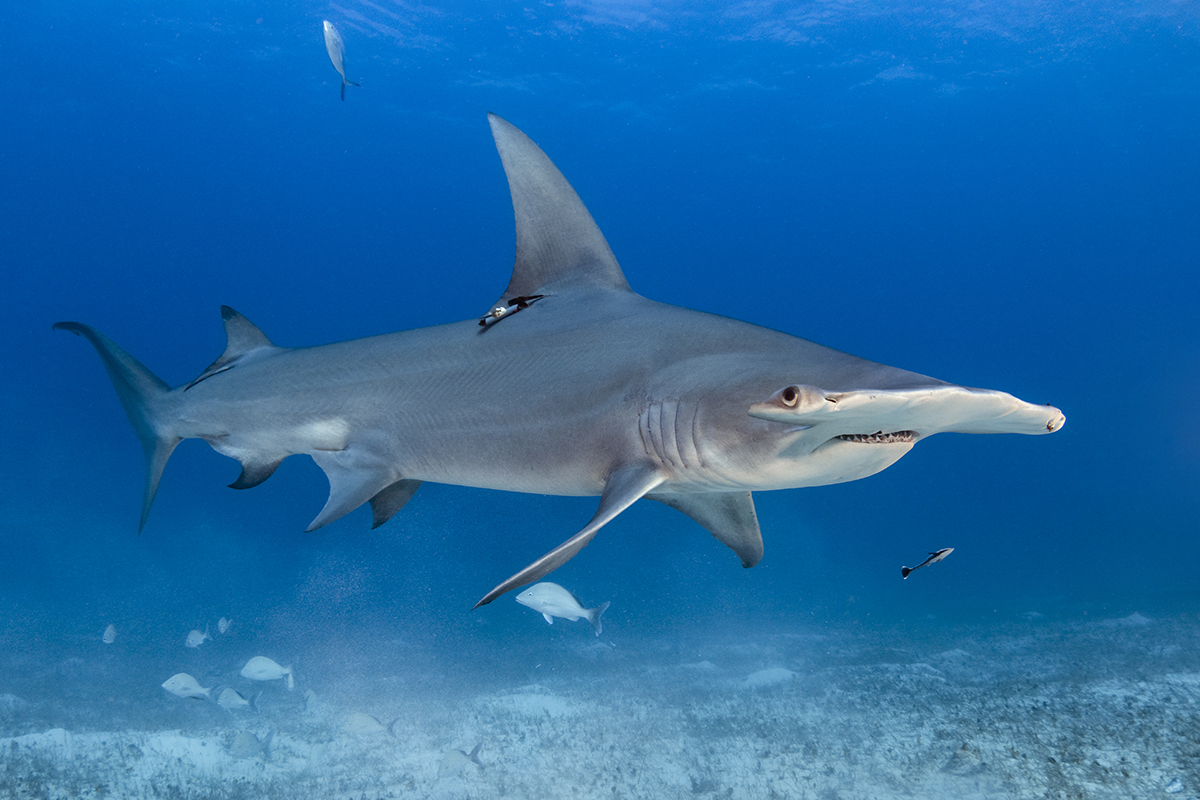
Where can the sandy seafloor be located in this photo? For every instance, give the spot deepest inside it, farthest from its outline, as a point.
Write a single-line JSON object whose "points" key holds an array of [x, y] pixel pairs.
{"points": [[1103, 704]]}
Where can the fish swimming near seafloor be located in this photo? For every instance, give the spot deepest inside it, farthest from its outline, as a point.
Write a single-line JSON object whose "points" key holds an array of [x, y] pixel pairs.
{"points": [[592, 390], [261, 668], [551, 600], [246, 745], [337, 54], [110, 634], [360, 723], [183, 685], [195, 638], [934, 557], [455, 761], [231, 699], [223, 625]]}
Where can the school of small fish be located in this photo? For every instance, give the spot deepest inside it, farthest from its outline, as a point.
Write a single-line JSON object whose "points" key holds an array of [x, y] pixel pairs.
{"points": [[549, 599]]}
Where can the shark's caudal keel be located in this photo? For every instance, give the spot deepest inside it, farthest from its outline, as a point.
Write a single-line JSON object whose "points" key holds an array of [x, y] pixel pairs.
{"points": [[573, 385]]}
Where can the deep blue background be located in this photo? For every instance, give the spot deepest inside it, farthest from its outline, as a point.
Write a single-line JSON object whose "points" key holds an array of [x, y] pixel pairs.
{"points": [[1004, 199]]}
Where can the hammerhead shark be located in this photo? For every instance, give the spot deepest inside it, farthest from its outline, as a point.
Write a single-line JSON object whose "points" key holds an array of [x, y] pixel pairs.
{"points": [[572, 384]]}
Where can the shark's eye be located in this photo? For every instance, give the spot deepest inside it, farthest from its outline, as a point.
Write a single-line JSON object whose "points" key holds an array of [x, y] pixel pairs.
{"points": [[790, 396]]}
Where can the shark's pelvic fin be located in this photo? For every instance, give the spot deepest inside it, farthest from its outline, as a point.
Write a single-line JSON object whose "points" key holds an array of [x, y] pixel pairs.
{"points": [[624, 487], [729, 516], [255, 471], [558, 242], [243, 340], [142, 393], [385, 504], [357, 473]]}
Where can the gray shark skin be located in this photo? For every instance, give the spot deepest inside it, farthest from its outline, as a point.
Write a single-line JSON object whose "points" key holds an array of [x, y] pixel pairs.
{"points": [[591, 390]]}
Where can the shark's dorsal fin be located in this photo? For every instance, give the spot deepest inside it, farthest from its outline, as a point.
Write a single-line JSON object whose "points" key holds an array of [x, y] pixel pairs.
{"points": [[559, 245], [242, 337]]}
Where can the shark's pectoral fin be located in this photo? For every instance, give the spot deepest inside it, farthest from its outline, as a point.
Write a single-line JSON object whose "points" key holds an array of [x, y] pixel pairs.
{"points": [[356, 474], [624, 487], [243, 340], [385, 504], [729, 516]]}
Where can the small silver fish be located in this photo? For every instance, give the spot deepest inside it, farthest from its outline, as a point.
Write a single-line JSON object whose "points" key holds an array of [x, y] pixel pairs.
{"points": [[261, 668], [552, 600], [223, 625], [337, 54], [110, 634], [933, 559], [455, 761], [363, 724], [230, 699], [196, 638], [247, 745], [183, 685]]}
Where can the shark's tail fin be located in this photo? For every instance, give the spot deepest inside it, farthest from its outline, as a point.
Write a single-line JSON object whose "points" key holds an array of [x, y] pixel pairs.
{"points": [[142, 394], [346, 83], [593, 615], [905, 572]]}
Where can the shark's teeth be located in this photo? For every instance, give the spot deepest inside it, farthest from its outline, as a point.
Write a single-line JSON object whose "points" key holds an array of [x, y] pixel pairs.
{"points": [[898, 437]]}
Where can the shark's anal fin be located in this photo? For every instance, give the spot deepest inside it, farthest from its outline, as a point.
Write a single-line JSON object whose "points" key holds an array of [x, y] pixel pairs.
{"points": [[385, 504], [625, 486], [729, 516], [142, 394], [243, 340]]}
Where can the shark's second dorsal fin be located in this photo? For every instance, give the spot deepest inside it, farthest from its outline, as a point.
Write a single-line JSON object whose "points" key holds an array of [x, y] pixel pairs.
{"points": [[242, 337], [558, 242]]}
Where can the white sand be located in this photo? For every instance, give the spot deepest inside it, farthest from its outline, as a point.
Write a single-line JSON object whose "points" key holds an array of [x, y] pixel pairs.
{"points": [[1034, 708]]}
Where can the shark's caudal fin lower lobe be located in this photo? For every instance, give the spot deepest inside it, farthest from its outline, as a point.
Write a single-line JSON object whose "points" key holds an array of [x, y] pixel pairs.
{"points": [[141, 393]]}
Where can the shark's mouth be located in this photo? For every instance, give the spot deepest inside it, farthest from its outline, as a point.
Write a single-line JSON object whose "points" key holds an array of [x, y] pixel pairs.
{"points": [[879, 437]]}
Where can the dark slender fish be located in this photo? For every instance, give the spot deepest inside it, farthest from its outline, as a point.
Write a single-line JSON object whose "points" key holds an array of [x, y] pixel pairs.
{"points": [[933, 559], [337, 54]]}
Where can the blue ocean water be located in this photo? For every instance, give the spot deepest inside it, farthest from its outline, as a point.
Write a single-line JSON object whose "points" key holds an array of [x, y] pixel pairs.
{"points": [[999, 197]]}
